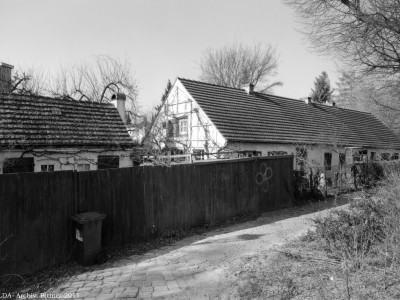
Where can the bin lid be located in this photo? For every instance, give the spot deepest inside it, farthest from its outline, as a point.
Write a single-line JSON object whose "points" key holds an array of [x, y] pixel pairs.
{"points": [[86, 217]]}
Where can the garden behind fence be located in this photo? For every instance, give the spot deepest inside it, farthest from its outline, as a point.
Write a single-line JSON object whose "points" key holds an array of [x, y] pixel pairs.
{"points": [[327, 180]]}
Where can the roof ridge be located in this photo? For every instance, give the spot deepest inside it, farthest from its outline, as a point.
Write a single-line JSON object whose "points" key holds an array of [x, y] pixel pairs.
{"points": [[27, 97], [212, 84], [313, 103], [277, 96], [343, 108]]}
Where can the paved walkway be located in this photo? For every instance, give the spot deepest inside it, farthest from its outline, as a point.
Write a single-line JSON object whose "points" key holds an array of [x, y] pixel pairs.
{"points": [[198, 267]]}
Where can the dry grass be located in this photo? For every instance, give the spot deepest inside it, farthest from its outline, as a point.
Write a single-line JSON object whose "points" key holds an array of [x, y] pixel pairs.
{"points": [[352, 254]]}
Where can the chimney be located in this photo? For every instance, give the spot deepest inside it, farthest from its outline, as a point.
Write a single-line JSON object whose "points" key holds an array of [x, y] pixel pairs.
{"points": [[120, 99], [5, 77], [249, 89], [333, 103], [307, 100]]}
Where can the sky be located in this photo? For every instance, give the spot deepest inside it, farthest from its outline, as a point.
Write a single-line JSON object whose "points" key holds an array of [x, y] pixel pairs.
{"points": [[161, 39]]}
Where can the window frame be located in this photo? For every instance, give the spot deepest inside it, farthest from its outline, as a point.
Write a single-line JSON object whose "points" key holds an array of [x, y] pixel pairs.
{"points": [[83, 166], [183, 127], [328, 160], [342, 159], [47, 168]]}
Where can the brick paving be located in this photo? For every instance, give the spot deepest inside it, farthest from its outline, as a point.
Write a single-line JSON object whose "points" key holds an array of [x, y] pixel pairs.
{"points": [[198, 267]]}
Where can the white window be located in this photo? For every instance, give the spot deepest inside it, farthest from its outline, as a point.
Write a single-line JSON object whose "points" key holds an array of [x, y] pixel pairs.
{"points": [[183, 126], [83, 167], [47, 168]]}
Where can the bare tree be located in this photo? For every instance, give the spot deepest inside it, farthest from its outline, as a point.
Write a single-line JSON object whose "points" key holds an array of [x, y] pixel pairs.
{"points": [[29, 81], [237, 65], [365, 33], [370, 94], [96, 81]]}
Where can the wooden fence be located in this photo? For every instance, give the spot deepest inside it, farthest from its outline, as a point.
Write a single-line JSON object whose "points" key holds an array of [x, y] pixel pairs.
{"points": [[140, 203]]}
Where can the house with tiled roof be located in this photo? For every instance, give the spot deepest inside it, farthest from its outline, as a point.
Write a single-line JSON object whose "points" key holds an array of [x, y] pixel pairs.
{"points": [[214, 121], [46, 134]]}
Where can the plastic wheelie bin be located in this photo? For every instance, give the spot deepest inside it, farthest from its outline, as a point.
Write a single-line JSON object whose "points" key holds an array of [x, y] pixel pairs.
{"points": [[88, 235]]}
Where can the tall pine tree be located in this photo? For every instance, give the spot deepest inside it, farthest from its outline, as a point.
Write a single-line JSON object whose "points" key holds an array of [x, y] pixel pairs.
{"points": [[322, 92]]}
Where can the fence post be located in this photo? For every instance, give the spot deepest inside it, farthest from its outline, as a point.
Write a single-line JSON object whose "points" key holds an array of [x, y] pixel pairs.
{"points": [[75, 192]]}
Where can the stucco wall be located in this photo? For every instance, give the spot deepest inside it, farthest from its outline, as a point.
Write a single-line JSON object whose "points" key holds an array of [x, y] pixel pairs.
{"points": [[315, 152], [66, 160]]}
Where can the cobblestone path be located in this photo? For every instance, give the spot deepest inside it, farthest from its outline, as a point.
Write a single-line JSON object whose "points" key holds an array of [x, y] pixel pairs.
{"points": [[198, 267]]}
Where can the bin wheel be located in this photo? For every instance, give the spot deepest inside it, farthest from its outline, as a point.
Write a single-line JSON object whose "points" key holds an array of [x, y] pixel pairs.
{"points": [[102, 257]]}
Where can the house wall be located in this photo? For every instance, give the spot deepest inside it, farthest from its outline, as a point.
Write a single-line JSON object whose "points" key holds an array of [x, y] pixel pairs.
{"points": [[201, 133], [315, 153], [66, 160]]}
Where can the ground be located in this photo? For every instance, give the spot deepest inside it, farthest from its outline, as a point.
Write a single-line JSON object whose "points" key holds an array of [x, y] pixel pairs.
{"points": [[207, 266]]}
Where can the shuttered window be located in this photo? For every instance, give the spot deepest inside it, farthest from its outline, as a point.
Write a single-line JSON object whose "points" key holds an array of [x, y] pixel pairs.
{"points": [[107, 162]]}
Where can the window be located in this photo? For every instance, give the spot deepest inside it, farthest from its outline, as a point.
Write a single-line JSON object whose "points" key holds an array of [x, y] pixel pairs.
{"points": [[83, 167], [47, 168], [18, 165], [360, 156], [276, 153], [183, 127], [373, 156], [107, 162], [169, 129], [248, 153], [385, 156], [342, 159], [395, 156], [328, 160]]}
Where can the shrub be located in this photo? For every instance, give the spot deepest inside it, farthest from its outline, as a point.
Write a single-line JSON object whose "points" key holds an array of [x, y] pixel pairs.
{"points": [[351, 233], [372, 222], [301, 187], [371, 174], [304, 190]]}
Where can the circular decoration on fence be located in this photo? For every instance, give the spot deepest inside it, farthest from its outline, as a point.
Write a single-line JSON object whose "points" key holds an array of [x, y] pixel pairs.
{"points": [[263, 177]]}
